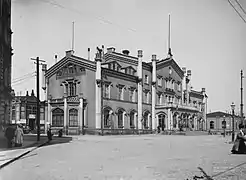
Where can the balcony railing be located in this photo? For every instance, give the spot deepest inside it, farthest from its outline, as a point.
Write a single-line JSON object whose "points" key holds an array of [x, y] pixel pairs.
{"points": [[177, 106]]}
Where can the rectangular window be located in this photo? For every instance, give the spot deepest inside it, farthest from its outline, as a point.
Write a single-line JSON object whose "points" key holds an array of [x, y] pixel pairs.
{"points": [[146, 97], [121, 93], [159, 81], [132, 95], [159, 98], [107, 91], [72, 89], [13, 113], [146, 79]]}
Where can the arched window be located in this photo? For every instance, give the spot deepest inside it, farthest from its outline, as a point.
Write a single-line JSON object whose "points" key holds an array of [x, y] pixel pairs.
{"points": [[106, 119], [211, 124], [58, 118], [73, 118], [223, 124], [132, 119], [120, 119]]}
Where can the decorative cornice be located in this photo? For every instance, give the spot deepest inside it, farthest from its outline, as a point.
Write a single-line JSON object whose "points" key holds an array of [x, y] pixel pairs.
{"points": [[74, 60], [119, 75]]}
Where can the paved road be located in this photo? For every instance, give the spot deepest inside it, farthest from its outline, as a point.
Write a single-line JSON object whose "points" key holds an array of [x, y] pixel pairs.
{"points": [[130, 157]]}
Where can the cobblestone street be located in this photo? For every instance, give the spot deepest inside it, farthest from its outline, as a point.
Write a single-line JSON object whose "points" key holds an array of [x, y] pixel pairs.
{"points": [[130, 157]]}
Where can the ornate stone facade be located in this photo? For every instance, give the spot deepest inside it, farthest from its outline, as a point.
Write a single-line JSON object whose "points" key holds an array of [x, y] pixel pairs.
{"points": [[122, 93]]}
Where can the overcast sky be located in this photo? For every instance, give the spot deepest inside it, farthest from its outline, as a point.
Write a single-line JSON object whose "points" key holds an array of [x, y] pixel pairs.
{"points": [[207, 36]]}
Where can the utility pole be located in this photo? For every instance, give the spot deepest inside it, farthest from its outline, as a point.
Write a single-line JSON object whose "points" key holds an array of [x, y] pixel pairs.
{"points": [[38, 100], [241, 105]]}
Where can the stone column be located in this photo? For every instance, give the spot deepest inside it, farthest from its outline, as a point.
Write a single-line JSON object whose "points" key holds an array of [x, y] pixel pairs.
{"points": [[98, 60], [157, 120], [140, 88], [195, 122], [149, 121], [65, 115], [48, 115], [81, 115], [135, 120], [183, 86], [153, 95], [123, 120]]}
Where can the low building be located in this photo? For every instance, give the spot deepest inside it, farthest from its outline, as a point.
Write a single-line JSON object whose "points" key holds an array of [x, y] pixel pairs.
{"points": [[24, 110], [122, 93], [215, 121]]}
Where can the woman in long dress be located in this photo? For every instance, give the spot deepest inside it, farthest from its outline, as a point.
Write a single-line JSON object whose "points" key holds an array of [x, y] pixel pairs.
{"points": [[239, 146], [19, 136]]}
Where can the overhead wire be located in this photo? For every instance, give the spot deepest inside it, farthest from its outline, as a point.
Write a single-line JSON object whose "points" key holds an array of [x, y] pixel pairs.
{"points": [[28, 74], [236, 10], [100, 18], [241, 6], [22, 79]]}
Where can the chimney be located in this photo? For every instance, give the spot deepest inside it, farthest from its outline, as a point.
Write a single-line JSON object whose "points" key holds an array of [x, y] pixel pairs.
{"points": [[203, 90], [140, 68], [27, 93], [110, 50], [125, 52], [32, 94], [98, 60], [153, 68], [69, 53], [56, 58], [89, 54]]}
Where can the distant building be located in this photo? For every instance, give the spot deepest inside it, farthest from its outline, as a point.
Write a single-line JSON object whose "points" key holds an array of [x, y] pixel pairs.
{"points": [[120, 93], [215, 121], [5, 61], [24, 109]]}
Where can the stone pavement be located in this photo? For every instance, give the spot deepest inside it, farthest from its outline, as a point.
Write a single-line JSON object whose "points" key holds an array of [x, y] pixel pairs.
{"points": [[131, 157]]}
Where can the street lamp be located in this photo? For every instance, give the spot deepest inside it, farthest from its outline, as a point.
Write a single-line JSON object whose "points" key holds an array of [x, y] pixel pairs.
{"points": [[224, 124], [233, 108]]}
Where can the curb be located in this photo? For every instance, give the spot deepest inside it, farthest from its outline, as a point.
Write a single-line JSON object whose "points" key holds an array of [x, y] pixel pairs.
{"points": [[23, 154]]}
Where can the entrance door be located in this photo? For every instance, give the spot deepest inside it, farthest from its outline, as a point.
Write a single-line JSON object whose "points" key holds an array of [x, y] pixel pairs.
{"points": [[161, 119], [32, 124]]}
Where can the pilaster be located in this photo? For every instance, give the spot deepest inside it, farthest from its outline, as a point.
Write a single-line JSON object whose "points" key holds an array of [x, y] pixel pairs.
{"points": [[153, 95], [140, 89], [65, 115], [81, 115]]}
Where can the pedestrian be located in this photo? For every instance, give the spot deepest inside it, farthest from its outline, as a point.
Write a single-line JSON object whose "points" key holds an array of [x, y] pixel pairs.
{"points": [[49, 134], [239, 146], [19, 136], [10, 134]]}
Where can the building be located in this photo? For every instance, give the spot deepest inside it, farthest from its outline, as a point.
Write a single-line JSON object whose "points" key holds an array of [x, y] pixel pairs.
{"points": [[5, 61], [120, 93], [215, 121], [24, 109]]}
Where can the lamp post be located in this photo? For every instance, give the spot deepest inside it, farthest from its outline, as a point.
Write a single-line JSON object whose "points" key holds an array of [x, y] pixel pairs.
{"points": [[233, 108], [224, 124]]}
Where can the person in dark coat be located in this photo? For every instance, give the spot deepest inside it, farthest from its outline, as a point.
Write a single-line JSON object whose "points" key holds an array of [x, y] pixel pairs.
{"points": [[239, 146], [10, 134]]}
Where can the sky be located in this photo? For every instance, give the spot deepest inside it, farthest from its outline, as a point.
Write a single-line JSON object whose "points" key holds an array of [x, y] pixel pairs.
{"points": [[207, 36]]}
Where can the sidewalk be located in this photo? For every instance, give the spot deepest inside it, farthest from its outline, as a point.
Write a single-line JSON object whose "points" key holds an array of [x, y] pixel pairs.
{"points": [[8, 156]]}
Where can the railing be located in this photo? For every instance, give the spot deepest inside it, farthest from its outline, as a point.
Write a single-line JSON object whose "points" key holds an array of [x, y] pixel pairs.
{"points": [[177, 106], [73, 99]]}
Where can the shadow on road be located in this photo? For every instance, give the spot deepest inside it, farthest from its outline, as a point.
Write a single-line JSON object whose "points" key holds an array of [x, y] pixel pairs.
{"points": [[31, 141]]}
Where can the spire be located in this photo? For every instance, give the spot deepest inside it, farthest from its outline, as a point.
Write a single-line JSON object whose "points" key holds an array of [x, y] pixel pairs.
{"points": [[169, 37]]}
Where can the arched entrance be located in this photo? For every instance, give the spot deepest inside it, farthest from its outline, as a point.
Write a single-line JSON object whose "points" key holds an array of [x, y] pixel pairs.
{"points": [[161, 120]]}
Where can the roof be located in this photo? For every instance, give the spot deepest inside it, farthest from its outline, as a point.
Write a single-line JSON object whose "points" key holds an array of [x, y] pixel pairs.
{"points": [[219, 114]]}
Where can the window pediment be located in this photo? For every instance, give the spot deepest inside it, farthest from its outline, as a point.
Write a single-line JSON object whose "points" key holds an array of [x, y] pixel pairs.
{"points": [[70, 70]]}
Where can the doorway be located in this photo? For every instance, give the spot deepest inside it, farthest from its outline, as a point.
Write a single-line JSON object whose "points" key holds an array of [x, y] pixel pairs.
{"points": [[32, 124], [161, 119]]}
